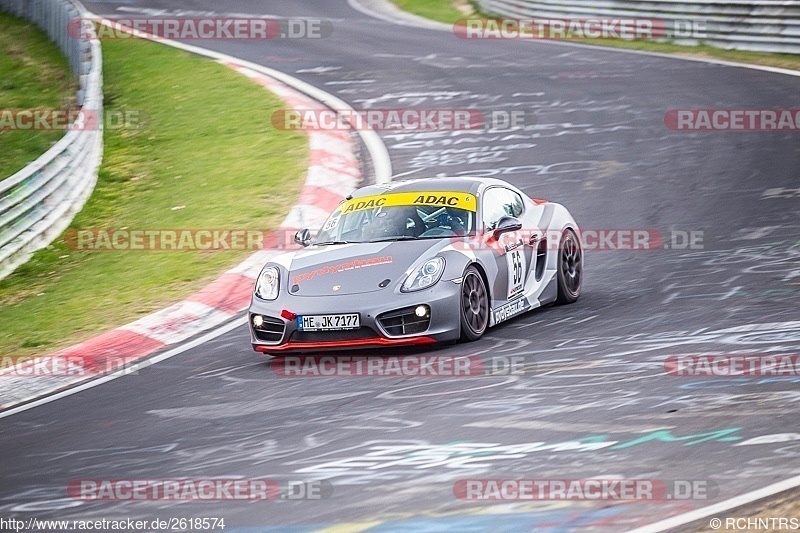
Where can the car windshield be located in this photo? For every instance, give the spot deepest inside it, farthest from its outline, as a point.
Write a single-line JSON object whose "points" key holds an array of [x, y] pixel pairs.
{"points": [[400, 216]]}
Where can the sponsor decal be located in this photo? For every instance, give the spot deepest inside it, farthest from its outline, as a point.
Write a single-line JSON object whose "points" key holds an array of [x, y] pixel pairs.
{"points": [[459, 200], [342, 267], [509, 310]]}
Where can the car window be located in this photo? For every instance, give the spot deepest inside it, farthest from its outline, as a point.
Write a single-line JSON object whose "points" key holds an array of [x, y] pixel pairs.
{"points": [[499, 202], [415, 215]]}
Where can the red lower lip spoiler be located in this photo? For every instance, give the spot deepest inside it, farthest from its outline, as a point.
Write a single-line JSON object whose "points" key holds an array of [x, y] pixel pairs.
{"points": [[353, 343]]}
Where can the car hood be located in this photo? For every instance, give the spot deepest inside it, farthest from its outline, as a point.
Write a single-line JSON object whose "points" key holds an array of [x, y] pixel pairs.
{"points": [[355, 268]]}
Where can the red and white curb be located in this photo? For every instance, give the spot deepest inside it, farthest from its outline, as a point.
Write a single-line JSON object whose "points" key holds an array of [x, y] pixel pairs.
{"points": [[334, 170]]}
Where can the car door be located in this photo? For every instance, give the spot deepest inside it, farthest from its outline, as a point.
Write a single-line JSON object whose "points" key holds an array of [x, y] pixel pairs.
{"points": [[511, 252]]}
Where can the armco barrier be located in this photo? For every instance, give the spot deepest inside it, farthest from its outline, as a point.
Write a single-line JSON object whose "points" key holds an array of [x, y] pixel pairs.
{"points": [[38, 202], [761, 26]]}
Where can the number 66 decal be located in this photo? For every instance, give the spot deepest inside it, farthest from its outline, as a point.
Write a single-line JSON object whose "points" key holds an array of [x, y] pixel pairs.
{"points": [[516, 272]]}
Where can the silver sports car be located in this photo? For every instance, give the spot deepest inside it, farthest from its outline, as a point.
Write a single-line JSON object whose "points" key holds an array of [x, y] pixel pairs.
{"points": [[417, 262]]}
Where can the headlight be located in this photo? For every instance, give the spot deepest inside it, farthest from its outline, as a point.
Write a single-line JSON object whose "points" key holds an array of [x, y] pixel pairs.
{"points": [[268, 283], [424, 276]]}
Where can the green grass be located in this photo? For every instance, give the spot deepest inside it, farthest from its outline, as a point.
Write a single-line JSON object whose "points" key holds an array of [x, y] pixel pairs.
{"points": [[445, 11], [33, 75], [207, 145], [441, 10]]}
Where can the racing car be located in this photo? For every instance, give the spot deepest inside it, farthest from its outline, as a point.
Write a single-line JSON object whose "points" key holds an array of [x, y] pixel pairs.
{"points": [[417, 262]]}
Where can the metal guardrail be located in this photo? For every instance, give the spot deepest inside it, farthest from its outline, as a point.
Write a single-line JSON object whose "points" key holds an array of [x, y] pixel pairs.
{"points": [[38, 202], [761, 26]]}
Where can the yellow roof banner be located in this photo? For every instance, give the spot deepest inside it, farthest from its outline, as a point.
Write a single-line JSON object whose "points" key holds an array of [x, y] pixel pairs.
{"points": [[460, 200]]}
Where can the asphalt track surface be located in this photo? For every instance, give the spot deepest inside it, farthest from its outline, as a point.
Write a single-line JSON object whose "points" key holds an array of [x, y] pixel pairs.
{"points": [[393, 448]]}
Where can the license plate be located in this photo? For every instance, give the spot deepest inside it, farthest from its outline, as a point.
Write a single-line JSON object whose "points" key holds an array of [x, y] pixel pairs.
{"points": [[328, 322]]}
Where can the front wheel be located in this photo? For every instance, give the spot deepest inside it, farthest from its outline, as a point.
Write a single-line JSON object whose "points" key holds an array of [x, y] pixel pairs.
{"points": [[570, 268], [474, 305]]}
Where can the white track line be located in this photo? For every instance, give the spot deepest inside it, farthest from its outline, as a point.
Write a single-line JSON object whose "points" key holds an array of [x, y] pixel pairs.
{"points": [[213, 334], [721, 507]]}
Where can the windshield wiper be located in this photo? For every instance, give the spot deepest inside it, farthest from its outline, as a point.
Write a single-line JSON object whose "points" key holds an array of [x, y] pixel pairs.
{"points": [[331, 242], [398, 238]]}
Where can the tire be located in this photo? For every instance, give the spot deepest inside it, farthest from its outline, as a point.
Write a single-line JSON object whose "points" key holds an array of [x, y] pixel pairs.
{"points": [[473, 305], [570, 268]]}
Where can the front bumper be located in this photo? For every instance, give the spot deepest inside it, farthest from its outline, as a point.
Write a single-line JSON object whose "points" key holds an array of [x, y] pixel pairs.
{"points": [[283, 334]]}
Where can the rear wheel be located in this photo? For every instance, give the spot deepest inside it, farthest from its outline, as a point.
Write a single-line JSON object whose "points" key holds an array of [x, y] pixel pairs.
{"points": [[570, 268], [474, 305]]}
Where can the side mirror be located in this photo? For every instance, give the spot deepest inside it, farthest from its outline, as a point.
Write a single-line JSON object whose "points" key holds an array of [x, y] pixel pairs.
{"points": [[506, 224], [302, 237]]}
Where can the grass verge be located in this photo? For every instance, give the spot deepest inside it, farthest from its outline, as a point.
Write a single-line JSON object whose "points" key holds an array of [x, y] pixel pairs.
{"points": [[33, 75], [439, 10], [449, 11], [207, 157]]}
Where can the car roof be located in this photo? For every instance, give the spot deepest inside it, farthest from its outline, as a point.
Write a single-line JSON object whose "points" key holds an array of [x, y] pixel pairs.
{"points": [[454, 184]]}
